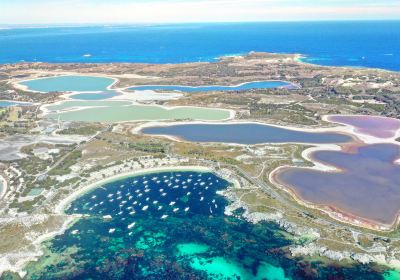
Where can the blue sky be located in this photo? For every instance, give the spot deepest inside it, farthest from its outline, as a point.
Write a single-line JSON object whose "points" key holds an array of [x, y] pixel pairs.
{"points": [[150, 11]]}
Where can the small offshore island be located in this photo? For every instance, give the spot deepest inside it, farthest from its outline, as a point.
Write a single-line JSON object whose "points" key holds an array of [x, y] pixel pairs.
{"points": [[252, 167]]}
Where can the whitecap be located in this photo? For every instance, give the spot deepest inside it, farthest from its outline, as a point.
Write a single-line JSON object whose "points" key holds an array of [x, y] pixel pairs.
{"points": [[145, 208], [112, 230]]}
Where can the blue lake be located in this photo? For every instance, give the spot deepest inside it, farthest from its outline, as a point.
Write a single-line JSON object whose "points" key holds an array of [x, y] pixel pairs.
{"points": [[245, 86], [364, 43], [244, 133]]}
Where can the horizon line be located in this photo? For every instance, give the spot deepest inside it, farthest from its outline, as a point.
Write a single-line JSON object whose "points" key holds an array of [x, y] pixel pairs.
{"points": [[32, 25]]}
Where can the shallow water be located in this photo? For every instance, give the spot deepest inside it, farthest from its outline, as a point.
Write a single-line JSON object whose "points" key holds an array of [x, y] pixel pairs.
{"points": [[94, 95], [367, 185], [245, 86], [121, 238], [243, 133]]}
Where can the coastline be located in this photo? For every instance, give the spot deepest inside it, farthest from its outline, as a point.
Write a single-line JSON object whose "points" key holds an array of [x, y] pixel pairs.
{"points": [[306, 154], [19, 266], [358, 139]]}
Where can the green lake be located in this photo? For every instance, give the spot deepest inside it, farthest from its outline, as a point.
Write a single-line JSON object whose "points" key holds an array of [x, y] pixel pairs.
{"points": [[68, 83], [120, 111]]}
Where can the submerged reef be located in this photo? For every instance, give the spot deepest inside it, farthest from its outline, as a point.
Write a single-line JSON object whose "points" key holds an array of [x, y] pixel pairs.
{"points": [[171, 225]]}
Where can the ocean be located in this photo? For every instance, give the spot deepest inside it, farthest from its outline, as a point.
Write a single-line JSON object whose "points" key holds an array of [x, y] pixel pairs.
{"points": [[171, 225], [373, 44]]}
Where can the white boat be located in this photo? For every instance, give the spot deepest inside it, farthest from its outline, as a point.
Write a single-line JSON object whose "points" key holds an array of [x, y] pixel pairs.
{"points": [[131, 225]]}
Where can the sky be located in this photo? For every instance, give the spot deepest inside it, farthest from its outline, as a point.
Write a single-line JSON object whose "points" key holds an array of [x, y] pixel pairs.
{"points": [[176, 11]]}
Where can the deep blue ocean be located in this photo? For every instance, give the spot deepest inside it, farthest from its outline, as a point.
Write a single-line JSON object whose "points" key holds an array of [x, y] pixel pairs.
{"points": [[364, 44]]}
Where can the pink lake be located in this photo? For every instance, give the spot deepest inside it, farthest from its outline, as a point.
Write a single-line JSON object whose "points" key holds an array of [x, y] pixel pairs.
{"points": [[381, 127]]}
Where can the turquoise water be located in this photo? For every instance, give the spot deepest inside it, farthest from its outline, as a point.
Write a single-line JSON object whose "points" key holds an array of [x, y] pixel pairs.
{"points": [[243, 133], [344, 43], [35, 191], [245, 86], [69, 83], [94, 96], [171, 225]]}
